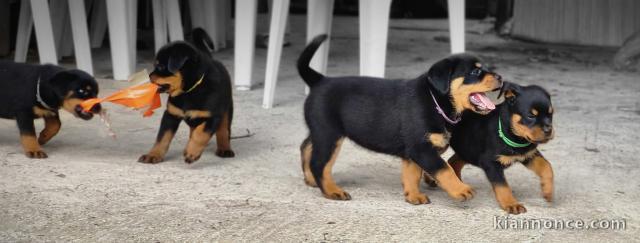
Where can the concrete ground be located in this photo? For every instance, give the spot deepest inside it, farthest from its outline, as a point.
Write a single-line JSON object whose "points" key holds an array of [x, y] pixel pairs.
{"points": [[92, 189]]}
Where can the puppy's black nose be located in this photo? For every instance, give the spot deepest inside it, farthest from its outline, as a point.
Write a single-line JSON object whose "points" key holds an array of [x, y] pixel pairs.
{"points": [[498, 77], [547, 129]]}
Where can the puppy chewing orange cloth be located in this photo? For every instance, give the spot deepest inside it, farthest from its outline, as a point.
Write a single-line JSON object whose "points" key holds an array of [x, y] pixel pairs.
{"points": [[139, 96]]}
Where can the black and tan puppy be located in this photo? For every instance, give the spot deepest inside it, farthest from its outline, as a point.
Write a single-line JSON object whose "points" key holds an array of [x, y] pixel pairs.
{"points": [[395, 117], [29, 91], [199, 91], [508, 135]]}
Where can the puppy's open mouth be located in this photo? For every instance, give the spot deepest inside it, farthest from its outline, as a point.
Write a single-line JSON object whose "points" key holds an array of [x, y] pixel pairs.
{"points": [[481, 103], [79, 112], [163, 88]]}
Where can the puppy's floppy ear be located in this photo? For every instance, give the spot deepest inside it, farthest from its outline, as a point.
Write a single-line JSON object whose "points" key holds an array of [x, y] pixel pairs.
{"points": [[439, 76], [175, 63], [509, 90], [60, 81]]}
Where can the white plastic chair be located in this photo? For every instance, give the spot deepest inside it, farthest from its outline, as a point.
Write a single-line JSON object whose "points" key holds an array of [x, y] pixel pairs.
{"points": [[37, 12], [214, 16], [373, 38], [121, 16]]}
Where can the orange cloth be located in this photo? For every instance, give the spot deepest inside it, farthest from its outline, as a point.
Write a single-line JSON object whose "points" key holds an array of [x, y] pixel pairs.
{"points": [[136, 97]]}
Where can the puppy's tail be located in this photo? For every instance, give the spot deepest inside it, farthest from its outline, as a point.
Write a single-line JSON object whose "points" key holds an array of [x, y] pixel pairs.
{"points": [[310, 76], [202, 40]]}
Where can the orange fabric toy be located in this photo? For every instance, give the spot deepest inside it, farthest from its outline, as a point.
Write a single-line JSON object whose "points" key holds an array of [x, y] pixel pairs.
{"points": [[136, 97]]}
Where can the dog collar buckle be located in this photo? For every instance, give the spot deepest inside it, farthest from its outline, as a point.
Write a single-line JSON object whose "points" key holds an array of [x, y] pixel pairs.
{"points": [[39, 98], [443, 114]]}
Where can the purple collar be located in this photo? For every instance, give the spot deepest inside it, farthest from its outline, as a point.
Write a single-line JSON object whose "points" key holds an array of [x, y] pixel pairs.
{"points": [[446, 118]]}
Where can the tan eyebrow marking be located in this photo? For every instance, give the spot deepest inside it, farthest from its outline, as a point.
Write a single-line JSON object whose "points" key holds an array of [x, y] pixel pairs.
{"points": [[534, 112]]}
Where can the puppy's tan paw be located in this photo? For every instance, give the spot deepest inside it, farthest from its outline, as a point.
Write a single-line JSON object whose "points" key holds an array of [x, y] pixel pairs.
{"points": [[514, 208], [38, 154], [150, 159], [461, 192], [338, 195], [225, 153], [416, 198], [190, 157]]}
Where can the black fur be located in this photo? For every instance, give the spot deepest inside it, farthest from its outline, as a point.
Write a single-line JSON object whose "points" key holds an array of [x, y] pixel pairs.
{"points": [[310, 76], [18, 93], [202, 40]]}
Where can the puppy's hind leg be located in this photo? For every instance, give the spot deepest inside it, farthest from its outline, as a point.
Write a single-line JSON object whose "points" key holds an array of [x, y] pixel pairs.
{"points": [[305, 158], [223, 137], [323, 156]]}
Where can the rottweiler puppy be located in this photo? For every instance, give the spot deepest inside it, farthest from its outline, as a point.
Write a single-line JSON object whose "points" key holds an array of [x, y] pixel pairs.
{"points": [[199, 89], [30, 91], [508, 135], [409, 119]]}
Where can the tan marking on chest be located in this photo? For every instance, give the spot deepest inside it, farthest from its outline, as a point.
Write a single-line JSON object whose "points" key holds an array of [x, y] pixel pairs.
{"points": [[40, 112], [189, 114], [439, 140], [507, 160], [174, 110], [192, 114]]}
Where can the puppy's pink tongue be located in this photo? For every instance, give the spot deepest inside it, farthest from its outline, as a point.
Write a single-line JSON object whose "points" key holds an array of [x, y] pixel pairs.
{"points": [[482, 98]]}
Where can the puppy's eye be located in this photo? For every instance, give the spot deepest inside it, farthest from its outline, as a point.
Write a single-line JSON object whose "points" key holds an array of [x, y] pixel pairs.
{"points": [[478, 72]]}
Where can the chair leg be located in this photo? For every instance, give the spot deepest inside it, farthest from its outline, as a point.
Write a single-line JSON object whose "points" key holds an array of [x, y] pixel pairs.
{"points": [[58, 13], [119, 37], [25, 25], [159, 24], [276, 39], [245, 40], [320, 16], [44, 31], [456, 25], [175, 23], [374, 26], [197, 8], [80, 35], [98, 23]]}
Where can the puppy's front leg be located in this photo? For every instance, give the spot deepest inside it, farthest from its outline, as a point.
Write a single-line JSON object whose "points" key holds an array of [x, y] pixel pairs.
{"points": [[504, 195], [430, 161], [168, 127], [539, 165], [51, 127], [28, 136], [201, 133], [411, 174], [456, 164]]}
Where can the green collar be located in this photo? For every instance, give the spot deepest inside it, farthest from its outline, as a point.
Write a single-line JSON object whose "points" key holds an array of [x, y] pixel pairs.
{"points": [[196, 85], [507, 140]]}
